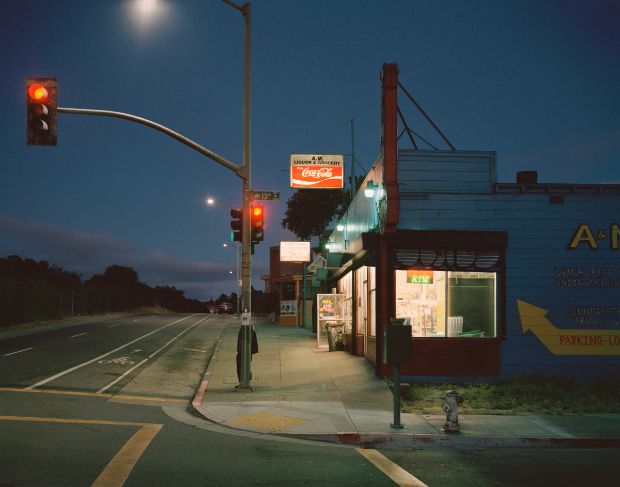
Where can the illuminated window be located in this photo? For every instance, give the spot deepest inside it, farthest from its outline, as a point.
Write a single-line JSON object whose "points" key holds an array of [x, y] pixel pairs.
{"points": [[459, 304]]}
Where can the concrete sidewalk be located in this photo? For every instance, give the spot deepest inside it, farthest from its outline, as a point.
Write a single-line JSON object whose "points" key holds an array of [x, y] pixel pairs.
{"points": [[302, 392]]}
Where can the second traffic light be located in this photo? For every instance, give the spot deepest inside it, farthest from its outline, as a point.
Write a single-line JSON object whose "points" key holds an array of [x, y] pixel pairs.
{"points": [[41, 111], [236, 224], [258, 223]]}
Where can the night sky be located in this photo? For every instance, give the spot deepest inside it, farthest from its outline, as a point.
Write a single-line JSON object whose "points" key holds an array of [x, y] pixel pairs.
{"points": [[535, 80]]}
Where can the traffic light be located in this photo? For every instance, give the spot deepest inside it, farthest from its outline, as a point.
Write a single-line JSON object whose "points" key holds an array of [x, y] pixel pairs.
{"points": [[258, 223], [236, 224], [41, 111]]}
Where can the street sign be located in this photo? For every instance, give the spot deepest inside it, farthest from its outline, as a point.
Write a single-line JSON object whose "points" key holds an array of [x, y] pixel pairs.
{"points": [[245, 319], [265, 195]]}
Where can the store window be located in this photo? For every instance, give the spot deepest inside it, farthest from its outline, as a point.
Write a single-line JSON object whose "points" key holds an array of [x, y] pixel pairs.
{"points": [[361, 293], [372, 304], [451, 304], [345, 287]]}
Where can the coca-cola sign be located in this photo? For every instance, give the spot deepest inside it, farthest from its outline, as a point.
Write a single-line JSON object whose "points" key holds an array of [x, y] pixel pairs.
{"points": [[325, 171]]}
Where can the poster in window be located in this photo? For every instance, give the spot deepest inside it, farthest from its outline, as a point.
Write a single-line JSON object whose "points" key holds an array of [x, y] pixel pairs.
{"points": [[327, 306], [288, 308]]}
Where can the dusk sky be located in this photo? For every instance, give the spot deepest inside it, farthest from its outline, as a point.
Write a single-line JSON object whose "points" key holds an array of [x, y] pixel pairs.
{"points": [[535, 80]]}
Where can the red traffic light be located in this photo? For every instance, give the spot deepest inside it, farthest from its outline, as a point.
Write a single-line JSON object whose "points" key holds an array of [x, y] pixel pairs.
{"points": [[41, 111], [38, 92], [258, 223]]}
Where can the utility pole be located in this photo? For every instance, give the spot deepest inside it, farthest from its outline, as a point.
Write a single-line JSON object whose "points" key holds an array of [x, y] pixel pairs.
{"points": [[246, 167]]}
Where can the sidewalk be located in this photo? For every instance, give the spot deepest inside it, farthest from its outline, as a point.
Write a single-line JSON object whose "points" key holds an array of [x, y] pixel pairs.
{"points": [[302, 392]]}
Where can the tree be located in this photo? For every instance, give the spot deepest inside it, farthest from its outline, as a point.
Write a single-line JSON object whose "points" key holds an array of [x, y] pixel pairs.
{"points": [[309, 211]]}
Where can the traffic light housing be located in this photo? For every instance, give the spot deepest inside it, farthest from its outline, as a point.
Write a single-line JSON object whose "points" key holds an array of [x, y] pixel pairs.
{"points": [[236, 225], [258, 223], [41, 109]]}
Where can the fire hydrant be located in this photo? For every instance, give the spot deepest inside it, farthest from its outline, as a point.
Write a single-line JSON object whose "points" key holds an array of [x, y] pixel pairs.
{"points": [[451, 408]]}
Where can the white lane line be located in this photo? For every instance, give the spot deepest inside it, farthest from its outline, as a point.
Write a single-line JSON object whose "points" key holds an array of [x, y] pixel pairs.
{"points": [[397, 474], [19, 351], [79, 334], [114, 326], [105, 388], [65, 372]]}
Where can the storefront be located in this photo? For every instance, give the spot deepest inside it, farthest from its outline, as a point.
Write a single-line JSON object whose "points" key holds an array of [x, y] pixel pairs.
{"points": [[495, 279]]}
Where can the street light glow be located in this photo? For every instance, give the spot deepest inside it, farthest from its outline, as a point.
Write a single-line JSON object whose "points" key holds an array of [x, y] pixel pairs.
{"points": [[210, 201], [146, 13]]}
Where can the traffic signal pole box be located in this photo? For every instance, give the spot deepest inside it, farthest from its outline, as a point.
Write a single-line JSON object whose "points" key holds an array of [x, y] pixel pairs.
{"points": [[41, 110], [396, 351]]}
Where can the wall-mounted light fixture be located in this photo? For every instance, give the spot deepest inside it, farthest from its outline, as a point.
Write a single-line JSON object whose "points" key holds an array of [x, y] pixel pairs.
{"points": [[369, 191], [340, 227]]}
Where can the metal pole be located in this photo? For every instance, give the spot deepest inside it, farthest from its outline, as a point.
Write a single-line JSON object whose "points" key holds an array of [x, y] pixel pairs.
{"points": [[303, 297], [246, 257], [396, 423], [246, 172]]}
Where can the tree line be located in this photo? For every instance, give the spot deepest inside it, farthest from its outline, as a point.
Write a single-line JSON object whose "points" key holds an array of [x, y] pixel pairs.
{"points": [[37, 291]]}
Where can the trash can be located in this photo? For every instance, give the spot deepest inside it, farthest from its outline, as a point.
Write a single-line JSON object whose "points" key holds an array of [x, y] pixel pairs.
{"points": [[335, 331]]}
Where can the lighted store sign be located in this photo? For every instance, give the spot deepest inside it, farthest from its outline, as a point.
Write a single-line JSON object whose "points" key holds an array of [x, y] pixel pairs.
{"points": [[419, 277], [310, 171]]}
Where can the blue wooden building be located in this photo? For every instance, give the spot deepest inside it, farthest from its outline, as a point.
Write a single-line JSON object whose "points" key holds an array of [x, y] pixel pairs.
{"points": [[495, 279]]}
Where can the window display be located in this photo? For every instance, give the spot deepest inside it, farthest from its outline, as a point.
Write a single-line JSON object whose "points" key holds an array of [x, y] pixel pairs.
{"points": [[447, 303]]}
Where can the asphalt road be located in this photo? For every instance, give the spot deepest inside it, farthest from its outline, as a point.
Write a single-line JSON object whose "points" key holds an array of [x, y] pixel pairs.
{"points": [[105, 403]]}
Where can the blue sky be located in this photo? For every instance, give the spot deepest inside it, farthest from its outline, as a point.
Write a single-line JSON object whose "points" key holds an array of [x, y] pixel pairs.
{"points": [[535, 80]]}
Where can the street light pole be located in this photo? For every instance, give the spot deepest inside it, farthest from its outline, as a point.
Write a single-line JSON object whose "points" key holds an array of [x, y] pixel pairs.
{"points": [[243, 171], [246, 241]]}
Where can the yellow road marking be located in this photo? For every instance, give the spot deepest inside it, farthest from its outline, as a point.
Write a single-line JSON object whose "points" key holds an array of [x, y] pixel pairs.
{"points": [[118, 469], [398, 475], [94, 394]]}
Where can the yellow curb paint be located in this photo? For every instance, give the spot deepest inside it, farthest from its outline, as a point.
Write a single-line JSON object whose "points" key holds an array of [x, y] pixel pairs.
{"points": [[400, 476], [116, 472], [118, 469], [95, 394]]}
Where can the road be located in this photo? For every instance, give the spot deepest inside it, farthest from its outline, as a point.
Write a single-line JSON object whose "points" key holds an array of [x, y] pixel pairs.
{"points": [[105, 403]]}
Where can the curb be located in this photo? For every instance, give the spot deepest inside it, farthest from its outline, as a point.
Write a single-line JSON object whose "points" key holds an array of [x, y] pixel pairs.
{"points": [[400, 440], [195, 406]]}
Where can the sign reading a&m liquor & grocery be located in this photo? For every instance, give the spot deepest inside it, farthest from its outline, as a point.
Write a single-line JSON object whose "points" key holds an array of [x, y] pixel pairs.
{"points": [[324, 171]]}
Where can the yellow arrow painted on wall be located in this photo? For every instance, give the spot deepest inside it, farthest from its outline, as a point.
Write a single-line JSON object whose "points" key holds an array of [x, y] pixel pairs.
{"points": [[567, 342]]}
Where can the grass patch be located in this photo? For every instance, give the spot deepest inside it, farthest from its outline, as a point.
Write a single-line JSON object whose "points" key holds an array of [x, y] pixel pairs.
{"points": [[519, 395]]}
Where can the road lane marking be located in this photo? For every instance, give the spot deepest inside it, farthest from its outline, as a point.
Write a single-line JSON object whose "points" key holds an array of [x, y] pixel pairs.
{"points": [[95, 394], [72, 369], [118, 379], [119, 361], [79, 334], [397, 474], [19, 351], [116, 472], [118, 469]]}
